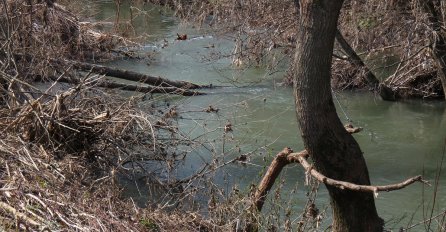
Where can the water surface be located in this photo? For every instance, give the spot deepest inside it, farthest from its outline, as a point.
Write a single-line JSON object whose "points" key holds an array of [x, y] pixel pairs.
{"points": [[399, 140]]}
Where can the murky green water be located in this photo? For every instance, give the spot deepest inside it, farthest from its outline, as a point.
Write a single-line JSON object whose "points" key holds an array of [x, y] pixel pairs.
{"points": [[400, 139]]}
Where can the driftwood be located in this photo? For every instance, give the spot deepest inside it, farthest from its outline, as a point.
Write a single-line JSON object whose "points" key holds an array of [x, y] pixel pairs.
{"points": [[134, 76], [149, 89], [136, 88], [352, 129]]}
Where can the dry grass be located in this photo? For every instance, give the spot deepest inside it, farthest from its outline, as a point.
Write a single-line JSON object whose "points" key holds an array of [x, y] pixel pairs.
{"points": [[63, 147], [62, 152], [399, 29]]}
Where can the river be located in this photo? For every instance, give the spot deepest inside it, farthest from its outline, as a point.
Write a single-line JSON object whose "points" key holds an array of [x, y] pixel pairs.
{"points": [[399, 140]]}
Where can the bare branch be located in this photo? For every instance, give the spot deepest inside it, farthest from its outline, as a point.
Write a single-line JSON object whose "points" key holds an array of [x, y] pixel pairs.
{"points": [[301, 157], [286, 156], [271, 174]]}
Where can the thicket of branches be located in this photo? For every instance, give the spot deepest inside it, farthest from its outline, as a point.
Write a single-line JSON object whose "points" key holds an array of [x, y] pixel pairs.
{"points": [[67, 148], [394, 37], [63, 147]]}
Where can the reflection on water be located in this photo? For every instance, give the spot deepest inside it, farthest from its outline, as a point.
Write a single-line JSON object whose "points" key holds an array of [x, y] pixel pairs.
{"points": [[399, 140]]}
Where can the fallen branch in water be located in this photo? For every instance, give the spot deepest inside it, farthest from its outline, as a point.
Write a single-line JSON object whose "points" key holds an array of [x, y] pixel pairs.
{"points": [[137, 88], [134, 76]]}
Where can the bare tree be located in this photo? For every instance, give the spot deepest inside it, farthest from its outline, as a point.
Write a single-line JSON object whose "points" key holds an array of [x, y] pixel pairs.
{"points": [[335, 152]]}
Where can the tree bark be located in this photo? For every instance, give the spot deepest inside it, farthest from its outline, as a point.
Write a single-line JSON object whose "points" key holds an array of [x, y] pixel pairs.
{"points": [[433, 10], [335, 152]]}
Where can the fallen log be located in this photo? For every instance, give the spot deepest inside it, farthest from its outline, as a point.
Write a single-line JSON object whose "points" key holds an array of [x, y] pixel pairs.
{"points": [[136, 88], [133, 76], [123, 74], [149, 89]]}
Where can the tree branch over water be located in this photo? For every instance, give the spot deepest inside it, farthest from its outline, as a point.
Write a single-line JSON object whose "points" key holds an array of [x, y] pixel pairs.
{"points": [[287, 156], [302, 158]]}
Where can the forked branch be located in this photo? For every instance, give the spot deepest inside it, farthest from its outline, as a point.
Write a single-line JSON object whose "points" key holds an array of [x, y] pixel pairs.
{"points": [[302, 159], [286, 156]]}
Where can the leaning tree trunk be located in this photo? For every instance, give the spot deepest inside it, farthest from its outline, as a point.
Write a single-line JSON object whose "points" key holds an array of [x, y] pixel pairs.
{"points": [[354, 58], [335, 153]]}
